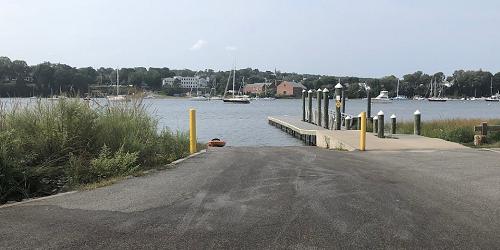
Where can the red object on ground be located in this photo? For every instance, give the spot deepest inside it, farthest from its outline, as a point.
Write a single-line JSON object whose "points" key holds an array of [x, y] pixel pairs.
{"points": [[216, 142]]}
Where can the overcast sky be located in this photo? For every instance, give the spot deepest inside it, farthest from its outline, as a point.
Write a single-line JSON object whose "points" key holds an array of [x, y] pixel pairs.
{"points": [[363, 38]]}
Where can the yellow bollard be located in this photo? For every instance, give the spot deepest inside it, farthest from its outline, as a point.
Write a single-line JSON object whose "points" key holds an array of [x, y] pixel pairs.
{"points": [[362, 132], [192, 131]]}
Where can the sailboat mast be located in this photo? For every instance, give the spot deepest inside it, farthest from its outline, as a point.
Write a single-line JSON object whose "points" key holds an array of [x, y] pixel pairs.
{"points": [[234, 79], [491, 86], [117, 81], [397, 90]]}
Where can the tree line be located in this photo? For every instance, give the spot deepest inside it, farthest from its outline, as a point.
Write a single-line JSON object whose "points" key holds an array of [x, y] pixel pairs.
{"points": [[19, 79]]}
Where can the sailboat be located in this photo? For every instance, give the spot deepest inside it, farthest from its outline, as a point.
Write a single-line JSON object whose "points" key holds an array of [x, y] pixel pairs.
{"points": [[398, 97], [56, 97], [493, 98], [213, 91], [118, 97], [435, 96], [235, 98]]}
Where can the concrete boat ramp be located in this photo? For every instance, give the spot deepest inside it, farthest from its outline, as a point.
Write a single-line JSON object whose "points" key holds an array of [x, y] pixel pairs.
{"points": [[349, 139]]}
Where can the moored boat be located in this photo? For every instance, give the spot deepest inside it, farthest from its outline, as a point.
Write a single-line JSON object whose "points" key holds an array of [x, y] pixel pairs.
{"points": [[383, 97], [242, 99]]}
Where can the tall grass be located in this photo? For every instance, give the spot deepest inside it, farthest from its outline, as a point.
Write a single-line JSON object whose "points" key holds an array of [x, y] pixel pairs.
{"points": [[48, 147], [455, 130]]}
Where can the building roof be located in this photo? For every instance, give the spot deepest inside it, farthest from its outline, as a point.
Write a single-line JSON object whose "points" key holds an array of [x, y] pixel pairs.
{"points": [[258, 84], [294, 84]]}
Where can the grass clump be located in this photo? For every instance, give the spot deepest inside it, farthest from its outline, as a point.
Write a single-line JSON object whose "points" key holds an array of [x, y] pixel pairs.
{"points": [[454, 130], [47, 147]]}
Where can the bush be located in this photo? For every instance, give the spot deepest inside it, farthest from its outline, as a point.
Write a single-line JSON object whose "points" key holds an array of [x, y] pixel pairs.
{"points": [[48, 147], [455, 130], [108, 164]]}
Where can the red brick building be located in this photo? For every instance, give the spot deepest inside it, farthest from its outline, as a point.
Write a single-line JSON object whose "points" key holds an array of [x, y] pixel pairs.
{"points": [[289, 89], [256, 88]]}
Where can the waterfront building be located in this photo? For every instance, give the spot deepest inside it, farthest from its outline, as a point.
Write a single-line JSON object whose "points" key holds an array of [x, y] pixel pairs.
{"points": [[185, 82], [256, 88], [286, 88]]}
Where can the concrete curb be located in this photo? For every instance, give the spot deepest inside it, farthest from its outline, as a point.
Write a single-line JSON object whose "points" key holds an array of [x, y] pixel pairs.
{"points": [[72, 192], [36, 199]]}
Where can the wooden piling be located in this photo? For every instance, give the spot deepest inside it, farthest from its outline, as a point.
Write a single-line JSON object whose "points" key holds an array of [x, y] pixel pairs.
{"points": [[348, 123], [380, 120], [393, 124], [368, 102], [309, 108], [303, 105], [325, 110], [338, 116], [417, 123], [319, 95]]}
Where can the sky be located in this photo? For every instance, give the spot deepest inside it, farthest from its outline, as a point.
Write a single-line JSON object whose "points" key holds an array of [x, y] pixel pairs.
{"points": [[366, 38]]}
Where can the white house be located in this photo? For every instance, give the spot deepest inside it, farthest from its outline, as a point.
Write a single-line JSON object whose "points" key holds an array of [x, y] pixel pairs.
{"points": [[186, 82]]}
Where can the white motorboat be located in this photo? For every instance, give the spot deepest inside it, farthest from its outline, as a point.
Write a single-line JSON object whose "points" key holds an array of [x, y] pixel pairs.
{"points": [[383, 97]]}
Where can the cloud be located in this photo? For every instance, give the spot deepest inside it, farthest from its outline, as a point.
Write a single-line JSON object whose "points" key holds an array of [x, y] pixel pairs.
{"points": [[199, 45], [231, 48]]}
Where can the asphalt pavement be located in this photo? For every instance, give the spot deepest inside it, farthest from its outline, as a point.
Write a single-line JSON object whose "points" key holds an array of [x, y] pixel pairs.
{"points": [[278, 197]]}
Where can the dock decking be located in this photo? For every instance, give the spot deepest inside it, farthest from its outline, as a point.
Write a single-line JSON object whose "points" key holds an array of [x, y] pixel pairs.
{"points": [[349, 139]]}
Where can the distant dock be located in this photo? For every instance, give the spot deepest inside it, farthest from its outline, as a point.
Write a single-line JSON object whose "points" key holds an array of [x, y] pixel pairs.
{"points": [[314, 135]]}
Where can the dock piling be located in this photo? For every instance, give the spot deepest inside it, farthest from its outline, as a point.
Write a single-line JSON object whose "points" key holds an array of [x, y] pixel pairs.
{"points": [[368, 102], [343, 100], [393, 124], [309, 108], [358, 122], [303, 105], [380, 121], [319, 95], [417, 123], [325, 111], [348, 123], [338, 118]]}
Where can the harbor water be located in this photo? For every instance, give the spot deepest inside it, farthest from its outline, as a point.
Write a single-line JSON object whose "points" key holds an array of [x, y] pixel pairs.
{"points": [[247, 125]]}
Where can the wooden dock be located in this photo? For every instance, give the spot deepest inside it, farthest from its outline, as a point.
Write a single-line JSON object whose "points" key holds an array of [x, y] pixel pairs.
{"points": [[303, 131], [313, 135]]}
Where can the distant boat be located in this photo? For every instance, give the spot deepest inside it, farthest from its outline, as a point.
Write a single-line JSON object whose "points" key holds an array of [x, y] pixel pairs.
{"points": [[268, 98], [434, 95], [398, 97], [235, 98], [493, 98], [214, 98], [118, 97], [198, 98], [383, 97]]}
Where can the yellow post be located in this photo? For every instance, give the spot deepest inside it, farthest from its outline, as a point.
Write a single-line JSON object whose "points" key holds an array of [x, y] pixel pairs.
{"points": [[362, 132], [192, 131]]}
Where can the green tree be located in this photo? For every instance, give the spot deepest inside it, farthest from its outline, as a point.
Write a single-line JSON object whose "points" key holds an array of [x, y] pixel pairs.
{"points": [[5, 68]]}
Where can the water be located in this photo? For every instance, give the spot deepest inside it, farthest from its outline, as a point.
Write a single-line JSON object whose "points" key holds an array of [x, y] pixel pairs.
{"points": [[237, 124], [246, 124]]}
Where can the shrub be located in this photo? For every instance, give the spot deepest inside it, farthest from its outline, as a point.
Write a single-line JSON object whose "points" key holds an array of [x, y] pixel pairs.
{"points": [[455, 130], [108, 164], [46, 146]]}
